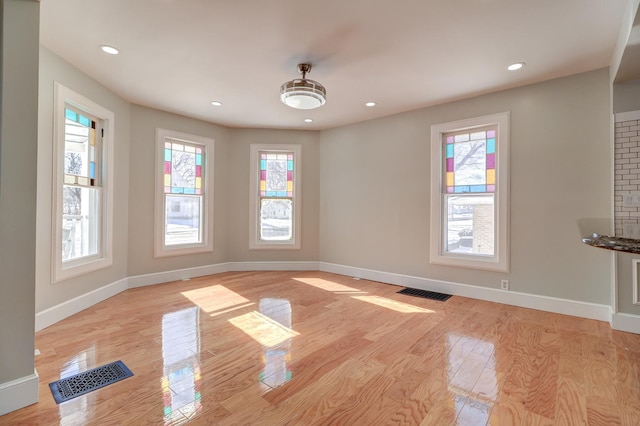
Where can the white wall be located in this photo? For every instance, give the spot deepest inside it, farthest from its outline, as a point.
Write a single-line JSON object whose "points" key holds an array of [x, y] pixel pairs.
{"points": [[53, 68], [374, 192], [18, 150], [144, 122]]}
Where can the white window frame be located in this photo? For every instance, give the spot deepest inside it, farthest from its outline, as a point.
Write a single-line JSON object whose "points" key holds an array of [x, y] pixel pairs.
{"points": [[500, 261], [104, 258], [160, 248], [254, 205]]}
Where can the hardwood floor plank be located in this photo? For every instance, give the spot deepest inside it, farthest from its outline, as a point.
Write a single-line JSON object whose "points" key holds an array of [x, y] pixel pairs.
{"points": [[297, 348]]}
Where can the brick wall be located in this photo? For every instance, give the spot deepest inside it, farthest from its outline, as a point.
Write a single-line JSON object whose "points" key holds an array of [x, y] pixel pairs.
{"points": [[483, 229], [627, 173]]}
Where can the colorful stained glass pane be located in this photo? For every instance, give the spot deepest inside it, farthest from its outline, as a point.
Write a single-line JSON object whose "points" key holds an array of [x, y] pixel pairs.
{"points": [[491, 146], [81, 149], [70, 115], [276, 174], [470, 162], [449, 164], [491, 177], [491, 161], [450, 150], [449, 178], [183, 168]]}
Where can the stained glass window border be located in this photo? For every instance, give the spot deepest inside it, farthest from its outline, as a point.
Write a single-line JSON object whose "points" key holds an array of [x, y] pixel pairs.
{"points": [[487, 134]]}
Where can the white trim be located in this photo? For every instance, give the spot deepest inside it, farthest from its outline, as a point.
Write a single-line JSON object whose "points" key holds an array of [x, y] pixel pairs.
{"points": [[159, 247], [177, 275], [274, 266], [60, 272], [627, 116], [499, 262], [524, 300], [64, 310], [626, 322], [19, 393], [636, 282], [254, 216]]}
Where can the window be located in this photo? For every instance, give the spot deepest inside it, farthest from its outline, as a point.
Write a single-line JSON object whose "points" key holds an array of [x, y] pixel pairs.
{"points": [[184, 200], [275, 196], [83, 193], [469, 193]]}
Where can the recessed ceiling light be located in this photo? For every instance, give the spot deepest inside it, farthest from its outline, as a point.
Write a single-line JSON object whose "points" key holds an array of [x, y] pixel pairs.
{"points": [[216, 103], [370, 104], [308, 120], [109, 49], [516, 66]]}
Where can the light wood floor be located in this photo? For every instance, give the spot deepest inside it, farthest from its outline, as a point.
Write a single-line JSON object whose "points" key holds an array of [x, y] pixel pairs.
{"points": [[311, 348]]}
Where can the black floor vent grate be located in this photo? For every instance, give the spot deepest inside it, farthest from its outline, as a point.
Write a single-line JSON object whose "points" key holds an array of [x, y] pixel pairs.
{"points": [[79, 384], [425, 294]]}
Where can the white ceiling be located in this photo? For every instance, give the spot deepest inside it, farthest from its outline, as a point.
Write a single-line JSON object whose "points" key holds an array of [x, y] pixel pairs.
{"points": [[179, 55]]}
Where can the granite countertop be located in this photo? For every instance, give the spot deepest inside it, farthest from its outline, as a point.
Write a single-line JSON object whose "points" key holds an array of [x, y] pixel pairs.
{"points": [[629, 245]]}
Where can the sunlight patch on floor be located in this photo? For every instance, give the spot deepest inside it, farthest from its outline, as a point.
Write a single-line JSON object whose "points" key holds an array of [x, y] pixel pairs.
{"points": [[404, 308], [263, 329], [214, 298]]}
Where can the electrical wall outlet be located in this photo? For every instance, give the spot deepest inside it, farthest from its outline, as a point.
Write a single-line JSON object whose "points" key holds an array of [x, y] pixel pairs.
{"points": [[504, 284]]}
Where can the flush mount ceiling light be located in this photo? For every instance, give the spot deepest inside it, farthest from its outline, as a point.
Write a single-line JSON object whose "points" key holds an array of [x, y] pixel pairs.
{"points": [[516, 66], [302, 93]]}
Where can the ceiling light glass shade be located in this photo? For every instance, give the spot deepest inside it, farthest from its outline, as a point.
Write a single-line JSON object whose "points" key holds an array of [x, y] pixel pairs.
{"points": [[303, 94]]}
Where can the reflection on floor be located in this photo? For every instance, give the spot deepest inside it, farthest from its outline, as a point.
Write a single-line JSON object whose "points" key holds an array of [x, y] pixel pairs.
{"points": [[311, 348]]}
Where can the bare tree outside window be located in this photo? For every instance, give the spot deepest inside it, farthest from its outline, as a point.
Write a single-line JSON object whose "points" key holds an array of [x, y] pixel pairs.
{"points": [[183, 169], [276, 175]]}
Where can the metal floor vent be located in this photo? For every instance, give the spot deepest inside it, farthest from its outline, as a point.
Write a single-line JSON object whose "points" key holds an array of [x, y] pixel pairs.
{"points": [[425, 294], [79, 384]]}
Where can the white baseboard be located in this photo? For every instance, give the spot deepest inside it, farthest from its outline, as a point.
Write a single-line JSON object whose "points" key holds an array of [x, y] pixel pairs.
{"points": [[19, 393], [65, 309], [177, 275], [273, 266], [525, 300], [625, 322]]}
